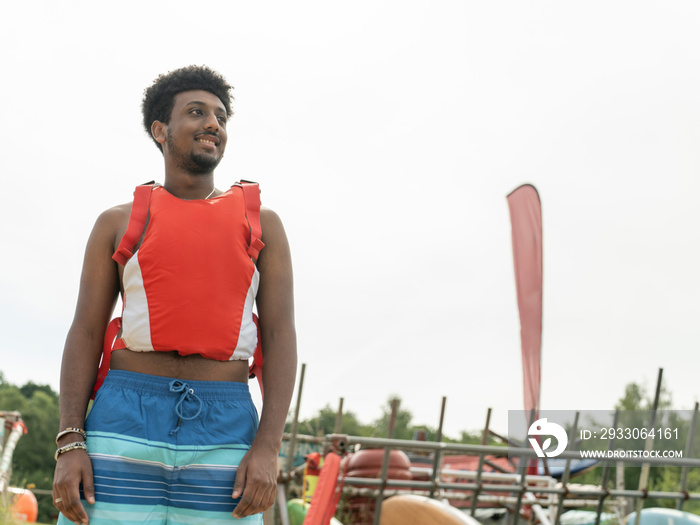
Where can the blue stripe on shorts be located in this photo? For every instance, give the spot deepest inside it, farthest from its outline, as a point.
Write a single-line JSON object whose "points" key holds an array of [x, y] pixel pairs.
{"points": [[166, 451]]}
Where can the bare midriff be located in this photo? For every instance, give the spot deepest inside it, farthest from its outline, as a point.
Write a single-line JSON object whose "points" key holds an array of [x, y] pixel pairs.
{"points": [[171, 364]]}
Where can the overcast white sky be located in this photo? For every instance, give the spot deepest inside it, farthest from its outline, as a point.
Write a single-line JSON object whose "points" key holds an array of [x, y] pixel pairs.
{"points": [[387, 136]]}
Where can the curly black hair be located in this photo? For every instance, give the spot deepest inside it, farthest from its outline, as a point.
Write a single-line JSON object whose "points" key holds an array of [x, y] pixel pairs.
{"points": [[159, 99]]}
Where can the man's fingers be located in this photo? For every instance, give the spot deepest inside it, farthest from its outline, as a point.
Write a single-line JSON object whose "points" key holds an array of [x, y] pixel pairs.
{"points": [[89, 491], [72, 470], [257, 497], [70, 508], [247, 506], [88, 484], [255, 484], [242, 490], [239, 484], [76, 511]]}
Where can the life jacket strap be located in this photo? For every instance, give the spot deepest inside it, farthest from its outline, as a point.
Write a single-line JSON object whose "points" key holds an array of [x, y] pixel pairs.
{"points": [[137, 222], [256, 368], [251, 195], [110, 335]]}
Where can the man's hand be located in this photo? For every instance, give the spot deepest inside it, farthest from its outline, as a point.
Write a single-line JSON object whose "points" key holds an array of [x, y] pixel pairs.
{"points": [[72, 469], [256, 483]]}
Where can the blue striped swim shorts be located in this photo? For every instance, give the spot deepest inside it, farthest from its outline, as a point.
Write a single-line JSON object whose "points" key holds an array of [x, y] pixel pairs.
{"points": [[166, 451]]}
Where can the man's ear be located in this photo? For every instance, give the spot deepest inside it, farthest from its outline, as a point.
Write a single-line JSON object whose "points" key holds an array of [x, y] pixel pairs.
{"points": [[159, 131]]}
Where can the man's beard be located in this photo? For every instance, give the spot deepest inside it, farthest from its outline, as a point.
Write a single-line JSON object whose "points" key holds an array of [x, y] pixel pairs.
{"points": [[194, 162]]}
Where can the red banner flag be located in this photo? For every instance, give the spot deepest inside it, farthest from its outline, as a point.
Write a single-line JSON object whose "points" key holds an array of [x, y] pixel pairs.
{"points": [[526, 224]]}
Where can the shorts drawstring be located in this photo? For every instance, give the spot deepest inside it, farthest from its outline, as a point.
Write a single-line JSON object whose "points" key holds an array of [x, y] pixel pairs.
{"points": [[179, 386]]}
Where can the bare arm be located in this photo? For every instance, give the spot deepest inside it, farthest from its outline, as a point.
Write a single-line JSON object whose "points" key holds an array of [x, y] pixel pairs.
{"points": [[99, 288], [275, 302]]}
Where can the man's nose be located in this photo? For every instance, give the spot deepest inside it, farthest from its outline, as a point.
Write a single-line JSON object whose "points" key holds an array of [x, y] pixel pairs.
{"points": [[212, 122]]}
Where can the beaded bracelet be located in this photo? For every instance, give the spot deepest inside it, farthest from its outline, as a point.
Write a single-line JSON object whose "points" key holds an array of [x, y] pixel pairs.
{"points": [[71, 430], [69, 447]]}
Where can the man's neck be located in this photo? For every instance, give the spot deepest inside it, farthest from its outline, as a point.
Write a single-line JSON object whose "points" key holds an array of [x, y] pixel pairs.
{"points": [[189, 186]]}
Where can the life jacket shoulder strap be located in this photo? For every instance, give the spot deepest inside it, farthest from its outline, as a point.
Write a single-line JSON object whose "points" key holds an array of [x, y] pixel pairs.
{"points": [[137, 222], [251, 195]]}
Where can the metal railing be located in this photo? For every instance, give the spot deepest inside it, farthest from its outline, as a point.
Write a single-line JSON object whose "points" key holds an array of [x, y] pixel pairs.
{"points": [[484, 487], [518, 489]]}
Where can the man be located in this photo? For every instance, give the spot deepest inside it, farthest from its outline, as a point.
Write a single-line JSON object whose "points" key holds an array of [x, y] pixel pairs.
{"points": [[171, 436]]}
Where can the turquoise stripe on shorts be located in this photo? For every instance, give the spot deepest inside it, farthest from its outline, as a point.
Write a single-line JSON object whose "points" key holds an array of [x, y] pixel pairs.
{"points": [[166, 451]]}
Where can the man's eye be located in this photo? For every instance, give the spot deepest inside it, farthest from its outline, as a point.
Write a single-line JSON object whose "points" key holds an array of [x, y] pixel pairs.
{"points": [[196, 111], [222, 119]]}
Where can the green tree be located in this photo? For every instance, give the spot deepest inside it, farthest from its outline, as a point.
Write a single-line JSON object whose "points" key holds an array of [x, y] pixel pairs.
{"points": [[324, 423], [32, 462], [31, 387], [402, 422], [635, 410], [633, 398], [670, 481]]}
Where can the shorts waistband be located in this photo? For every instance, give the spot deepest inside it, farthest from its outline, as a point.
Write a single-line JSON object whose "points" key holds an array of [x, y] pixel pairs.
{"points": [[161, 385]]}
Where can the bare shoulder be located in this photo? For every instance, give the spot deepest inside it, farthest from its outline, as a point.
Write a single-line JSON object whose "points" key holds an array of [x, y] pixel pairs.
{"points": [[112, 223], [275, 294], [274, 237], [270, 222], [116, 214]]}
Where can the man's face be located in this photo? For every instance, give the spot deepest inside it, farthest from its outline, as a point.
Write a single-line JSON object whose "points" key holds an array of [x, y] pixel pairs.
{"points": [[196, 134]]}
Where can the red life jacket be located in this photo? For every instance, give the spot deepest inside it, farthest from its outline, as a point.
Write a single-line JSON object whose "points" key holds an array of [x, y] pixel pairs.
{"points": [[137, 222]]}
